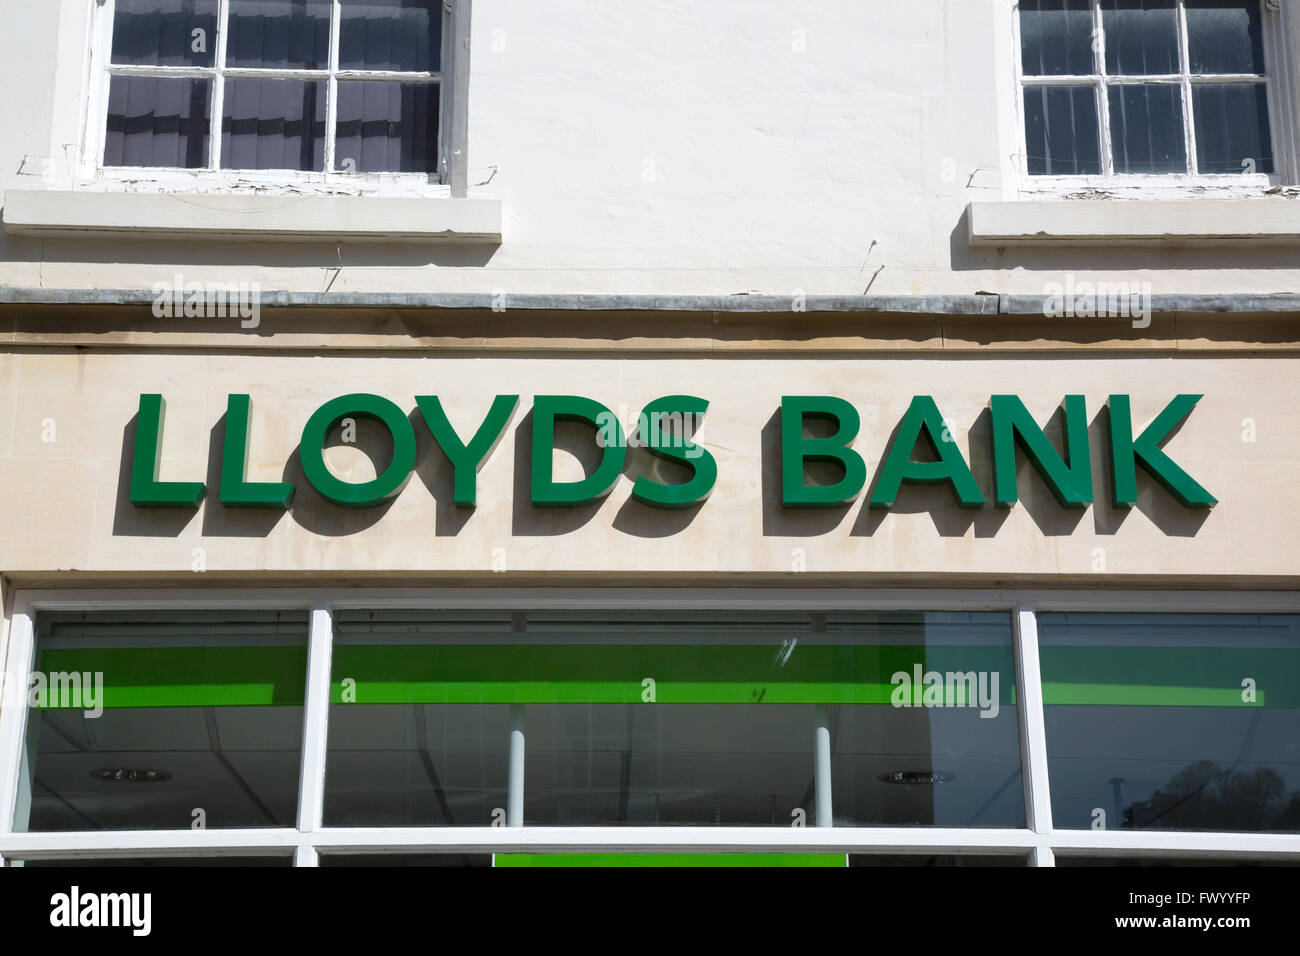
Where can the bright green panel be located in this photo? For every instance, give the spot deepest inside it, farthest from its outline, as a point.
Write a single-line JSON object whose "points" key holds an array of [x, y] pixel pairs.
{"points": [[672, 859], [247, 676], [1169, 676], [586, 673]]}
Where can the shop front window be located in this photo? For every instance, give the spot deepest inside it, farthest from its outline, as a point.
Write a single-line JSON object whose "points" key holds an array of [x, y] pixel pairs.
{"points": [[1173, 721]]}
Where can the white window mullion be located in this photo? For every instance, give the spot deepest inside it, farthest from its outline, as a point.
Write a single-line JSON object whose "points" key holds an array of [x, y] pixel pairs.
{"points": [[13, 712], [1103, 94], [315, 720], [219, 84], [1185, 72], [1033, 724], [332, 86]]}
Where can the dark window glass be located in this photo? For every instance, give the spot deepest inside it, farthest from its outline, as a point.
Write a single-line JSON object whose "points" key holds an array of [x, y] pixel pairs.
{"points": [[166, 862], [671, 718], [400, 35], [165, 32], [293, 34], [924, 860], [273, 124], [387, 127], [414, 740], [193, 717], [1125, 862], [407, 859], [1146, 129], [670, 860], [1232, 131], [948, 753], [1061, 131], [1056, 38], [1141, 36], [157, 122], [1173, 721], [1225, 36]]}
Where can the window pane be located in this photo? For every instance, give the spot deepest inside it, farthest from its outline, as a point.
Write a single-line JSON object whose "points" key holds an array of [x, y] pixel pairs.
{"points": [[407, 859], [414, 743], [1232, 128], [387, 127], [1173, 721], [1146, 129], [923, 860], [193, 717], [273, 124], [1056, 37], [391, 35], [165, 862], [157, 122], [1225, 36], [945, 754], [670, 718], [279, 33], [1061, 131], [165, 32], [1141, 36]]}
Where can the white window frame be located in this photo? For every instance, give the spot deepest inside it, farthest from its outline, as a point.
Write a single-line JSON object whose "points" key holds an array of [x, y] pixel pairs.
{"points": [[448, 180], [1038, 840], [1281, 39]]}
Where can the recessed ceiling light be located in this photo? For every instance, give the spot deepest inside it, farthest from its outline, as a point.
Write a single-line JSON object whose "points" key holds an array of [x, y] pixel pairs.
{"points": [[918, 778], [130, 775]]}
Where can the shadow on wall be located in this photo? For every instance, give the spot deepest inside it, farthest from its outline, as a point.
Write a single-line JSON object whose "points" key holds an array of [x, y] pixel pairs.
{"points": [[321, 517], [1080, 259]]}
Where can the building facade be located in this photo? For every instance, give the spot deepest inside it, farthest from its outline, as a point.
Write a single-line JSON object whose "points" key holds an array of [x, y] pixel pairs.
{"points": [[535, 433]]}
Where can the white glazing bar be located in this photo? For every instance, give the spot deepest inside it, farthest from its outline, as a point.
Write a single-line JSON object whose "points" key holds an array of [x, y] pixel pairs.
{"points": [[332, 86], [515, 780], [1033, 726], [13, 710], [1042, 856], [823, 767], [219, 85], [1189, 110], [1103, 97], [316, 708]]}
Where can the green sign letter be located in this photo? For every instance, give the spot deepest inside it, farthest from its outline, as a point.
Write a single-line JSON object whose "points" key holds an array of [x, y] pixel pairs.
{"points": [[1071, 483], [1126, 453], [547, 410], [796, 450], [370, 493], [675, 447], [466, 460], [146, 490], [236, 491], [923, 415]]}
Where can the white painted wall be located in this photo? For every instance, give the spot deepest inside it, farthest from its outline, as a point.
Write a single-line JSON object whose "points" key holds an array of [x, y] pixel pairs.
{"points": [[665, 146]]}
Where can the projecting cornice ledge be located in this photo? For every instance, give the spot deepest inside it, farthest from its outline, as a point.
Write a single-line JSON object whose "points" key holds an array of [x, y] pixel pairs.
{"points": [[49, 212], [1135, 222]]}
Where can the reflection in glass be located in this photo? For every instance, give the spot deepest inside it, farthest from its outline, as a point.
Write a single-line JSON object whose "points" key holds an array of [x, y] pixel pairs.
{"points": [[387, 127], [199, 719], [279, 34], [158, 122], [1141, 36], [1225, 36], [1061, 131], [1146, 125], [397, 35], [1173, 721], [674, 718], [1056, 38], [1232, 131], [165, 32], [273, 124]]}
